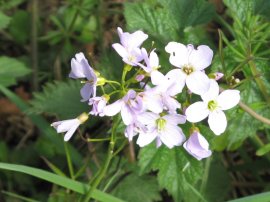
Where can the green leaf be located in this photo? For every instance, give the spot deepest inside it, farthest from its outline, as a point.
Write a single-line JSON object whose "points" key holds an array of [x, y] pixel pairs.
{"points": [[10, 70], [8, 4], [59, 180], [60, 98], [177, 171], [263, 150], [190, 12], [152, 18], [4, 20], [263, 197], [134, 188], [19, 26]]}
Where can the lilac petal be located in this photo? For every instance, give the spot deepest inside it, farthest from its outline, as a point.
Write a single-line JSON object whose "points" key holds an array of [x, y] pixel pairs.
{"points": [[212, 92], [76, 70], [198, 83], [178, 54], [147, 118], [176, 81], [114, 108], [130, 132], [175, 119], [86, 92], [120, 50], [63, 126], [201, 58], [158, 142], [146, 138], [136, 39], [217, 122], [127, 114], [228, 99], [171, 104], [197, 146], [70, 132], [197, 112], [153, 101], [172, 136]]}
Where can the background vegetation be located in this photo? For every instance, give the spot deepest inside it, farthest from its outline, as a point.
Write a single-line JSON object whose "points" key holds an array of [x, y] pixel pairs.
{"points": [[38, 40]]}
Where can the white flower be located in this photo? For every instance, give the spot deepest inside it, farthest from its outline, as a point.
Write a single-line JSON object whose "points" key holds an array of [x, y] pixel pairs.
{"points": [[162, 128], [129, 48], [213, 105], [69, 126], [191, 63], [197, 146]]}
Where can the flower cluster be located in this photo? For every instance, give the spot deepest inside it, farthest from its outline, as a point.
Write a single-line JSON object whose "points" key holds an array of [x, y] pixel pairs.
{"points": [[152, 111]]}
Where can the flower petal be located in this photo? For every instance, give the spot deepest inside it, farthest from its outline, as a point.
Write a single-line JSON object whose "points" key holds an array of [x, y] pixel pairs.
{"points": [[86, 92], [212, 92], [127, 114], [112, 109], [228, 99], [157, 78], [70, 132], [172, 136], [176, 81], [175, 119], [201, 58], [120, 50], [217, 122], [198, 83], [197, 112], [146, 138], [178, 54]]}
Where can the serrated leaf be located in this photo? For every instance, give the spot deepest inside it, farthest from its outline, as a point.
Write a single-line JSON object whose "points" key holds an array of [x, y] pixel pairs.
{"points": [[60, 98], [176, 169], [10, 70], [134, 188], [4, 20], [191, 12], [154, 20]]}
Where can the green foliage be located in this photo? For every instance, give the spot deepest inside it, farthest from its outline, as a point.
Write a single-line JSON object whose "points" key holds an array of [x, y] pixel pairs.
{"points": [[19, 26], [177, 172], [10, 70], [59, 180], [167, 19], [135, 188], [4, 20], [61, 99]]}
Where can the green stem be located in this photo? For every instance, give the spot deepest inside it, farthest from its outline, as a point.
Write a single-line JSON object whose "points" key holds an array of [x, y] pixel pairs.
{"points": [[34, 44], [106, 164], [69, 162], [259, 81]]}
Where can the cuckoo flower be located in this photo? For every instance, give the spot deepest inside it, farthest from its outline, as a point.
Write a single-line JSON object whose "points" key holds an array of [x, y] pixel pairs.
{"points": [[129, 106], [162, 128], [151, 61], [191, 62], [212, 107], [98, 104], [69, 126], [129, 49], [81, 69], [197, 146]]}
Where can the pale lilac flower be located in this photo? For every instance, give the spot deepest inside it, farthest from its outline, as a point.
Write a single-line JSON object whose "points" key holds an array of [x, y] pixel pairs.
{"points": [[163, 129], [152, 62], [212, 107], [197, 146], [191, 62], [129, 106], [129, 49], [69, 126], [81, 69], [98, 104]]}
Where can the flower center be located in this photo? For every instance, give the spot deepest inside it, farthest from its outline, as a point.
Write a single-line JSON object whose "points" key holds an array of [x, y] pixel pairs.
{"points": [[212, 105], [131, 58], [83, 117], [161, 123], [188, 69]]}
